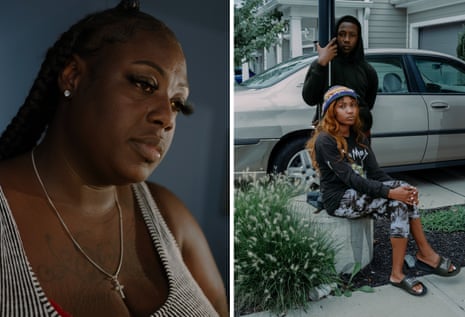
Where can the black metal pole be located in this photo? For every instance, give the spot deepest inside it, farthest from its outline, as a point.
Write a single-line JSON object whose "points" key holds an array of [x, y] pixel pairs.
{"points": [[325, 21], [325, 31]]}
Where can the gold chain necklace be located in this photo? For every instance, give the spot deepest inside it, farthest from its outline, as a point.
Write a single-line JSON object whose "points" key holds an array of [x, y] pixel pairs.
{"points": [[112, 277]]}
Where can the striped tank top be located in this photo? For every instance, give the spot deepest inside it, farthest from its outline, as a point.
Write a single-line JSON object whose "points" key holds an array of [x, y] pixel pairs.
{"points": [[22, 296]]}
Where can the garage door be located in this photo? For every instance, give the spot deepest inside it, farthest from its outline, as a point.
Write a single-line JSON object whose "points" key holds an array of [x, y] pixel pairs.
{"points": [[442, 38]]}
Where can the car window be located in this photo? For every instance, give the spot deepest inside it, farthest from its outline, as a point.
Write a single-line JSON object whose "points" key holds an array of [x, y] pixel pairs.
{"points": [[441, 75], [391, 76], [277, 73]]}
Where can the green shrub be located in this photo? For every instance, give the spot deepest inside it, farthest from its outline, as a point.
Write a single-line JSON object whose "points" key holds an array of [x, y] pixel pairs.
{"points": [[279, 257], [448, 220]]}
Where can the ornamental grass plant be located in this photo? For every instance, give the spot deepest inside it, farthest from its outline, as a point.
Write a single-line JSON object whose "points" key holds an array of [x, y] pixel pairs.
{"points": [[278, 257]]}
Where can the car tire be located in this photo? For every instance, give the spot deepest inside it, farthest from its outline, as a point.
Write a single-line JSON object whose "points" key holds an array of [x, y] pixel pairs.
{"points": [[294, 160]]}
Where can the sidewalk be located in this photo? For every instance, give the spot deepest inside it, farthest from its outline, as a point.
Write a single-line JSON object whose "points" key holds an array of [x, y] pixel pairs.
{"points": [[445, 297]]}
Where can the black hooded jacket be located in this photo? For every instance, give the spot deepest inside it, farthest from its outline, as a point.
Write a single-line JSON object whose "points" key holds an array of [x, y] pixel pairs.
{"points": [[350, 70]]}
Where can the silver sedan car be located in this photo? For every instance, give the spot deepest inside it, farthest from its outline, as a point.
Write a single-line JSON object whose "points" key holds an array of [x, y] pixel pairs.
{"points": [[418, 117]]}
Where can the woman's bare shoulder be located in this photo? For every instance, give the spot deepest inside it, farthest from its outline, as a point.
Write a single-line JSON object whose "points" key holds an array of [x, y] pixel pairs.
{"points": [[177, 216], [193, 244], [166, 200]]}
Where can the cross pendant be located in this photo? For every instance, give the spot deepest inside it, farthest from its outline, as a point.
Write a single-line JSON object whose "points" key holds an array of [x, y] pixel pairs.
{"points": [[118, 286]]}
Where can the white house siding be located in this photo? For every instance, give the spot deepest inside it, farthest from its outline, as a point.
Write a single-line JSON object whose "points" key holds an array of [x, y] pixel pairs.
{"points": [[387, 26], [391, 23], [306, 11], [383, 16], [440, 12]]}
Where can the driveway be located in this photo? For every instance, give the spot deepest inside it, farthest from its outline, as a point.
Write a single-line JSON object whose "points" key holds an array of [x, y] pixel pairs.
{"points": [[438, 187]]}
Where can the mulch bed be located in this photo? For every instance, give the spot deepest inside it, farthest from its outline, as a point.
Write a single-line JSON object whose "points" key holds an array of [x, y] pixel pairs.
{"points": [[451, 245]]}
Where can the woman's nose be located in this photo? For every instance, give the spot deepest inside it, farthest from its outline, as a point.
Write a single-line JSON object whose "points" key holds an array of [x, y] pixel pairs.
{"points": [[162, 114]]}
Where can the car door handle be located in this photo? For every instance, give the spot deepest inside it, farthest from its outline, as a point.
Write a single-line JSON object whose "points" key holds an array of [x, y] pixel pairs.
{"points": [[439, 105]]}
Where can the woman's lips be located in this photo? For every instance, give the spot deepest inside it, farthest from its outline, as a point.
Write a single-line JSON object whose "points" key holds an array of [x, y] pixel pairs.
{"points": [[148, 149]]}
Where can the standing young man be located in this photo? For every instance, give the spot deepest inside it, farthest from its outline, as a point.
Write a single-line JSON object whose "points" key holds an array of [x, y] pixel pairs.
{"points": [[348, 68]]}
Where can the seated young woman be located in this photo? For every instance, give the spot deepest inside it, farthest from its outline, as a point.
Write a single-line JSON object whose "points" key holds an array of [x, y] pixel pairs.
{"points": [[353, 185]]}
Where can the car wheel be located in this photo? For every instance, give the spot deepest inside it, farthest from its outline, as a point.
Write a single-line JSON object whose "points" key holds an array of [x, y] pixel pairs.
{"points": [[294, 160]]}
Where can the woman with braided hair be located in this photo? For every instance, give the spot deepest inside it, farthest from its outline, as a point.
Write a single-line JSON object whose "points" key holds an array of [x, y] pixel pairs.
{"points": [[82, 233]]}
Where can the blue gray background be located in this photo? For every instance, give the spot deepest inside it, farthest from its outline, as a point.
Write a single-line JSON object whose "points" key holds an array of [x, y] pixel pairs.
{"points": [[197, 166]]}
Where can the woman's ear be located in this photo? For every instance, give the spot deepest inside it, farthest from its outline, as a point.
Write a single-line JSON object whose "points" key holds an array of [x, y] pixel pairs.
{"points": [[68, 79]]}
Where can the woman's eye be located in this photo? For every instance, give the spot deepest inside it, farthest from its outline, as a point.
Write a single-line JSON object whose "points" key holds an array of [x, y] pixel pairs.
{"points": [[183, 107], [148, 86]]}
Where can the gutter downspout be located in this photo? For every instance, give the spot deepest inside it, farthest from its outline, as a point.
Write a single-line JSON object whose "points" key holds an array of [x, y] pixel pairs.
{"points": [[366, 18]]}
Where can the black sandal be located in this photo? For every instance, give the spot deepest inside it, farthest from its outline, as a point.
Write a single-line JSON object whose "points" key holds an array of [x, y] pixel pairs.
{"points": [[442, 269], [408, 283]]}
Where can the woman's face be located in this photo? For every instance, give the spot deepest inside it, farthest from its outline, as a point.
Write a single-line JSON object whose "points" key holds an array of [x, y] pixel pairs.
{"points": [[122, 114], [347, 37], [346, 111]]}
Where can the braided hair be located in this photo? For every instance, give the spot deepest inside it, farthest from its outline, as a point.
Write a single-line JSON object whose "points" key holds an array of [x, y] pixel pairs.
{"points": [[85, 38]]}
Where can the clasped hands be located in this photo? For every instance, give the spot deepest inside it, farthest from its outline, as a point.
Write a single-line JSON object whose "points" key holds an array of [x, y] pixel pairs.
{"points": [[406, 194]]}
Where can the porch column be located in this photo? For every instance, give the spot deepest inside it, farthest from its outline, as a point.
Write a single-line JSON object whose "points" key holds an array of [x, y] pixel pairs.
{"points": [[279, 49], [295, 29]]}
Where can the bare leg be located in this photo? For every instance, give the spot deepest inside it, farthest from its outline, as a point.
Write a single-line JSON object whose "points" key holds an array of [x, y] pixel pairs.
{"points": [[424, 248], [399, 247], [425, 251]]}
